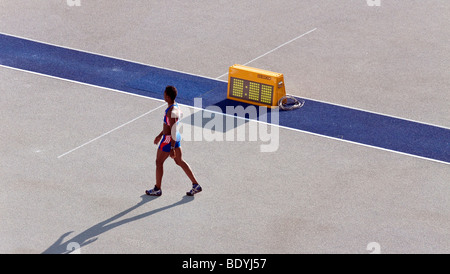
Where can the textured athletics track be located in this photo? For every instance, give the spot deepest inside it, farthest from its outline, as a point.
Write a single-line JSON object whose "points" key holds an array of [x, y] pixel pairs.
{"points": [[76, 156]]}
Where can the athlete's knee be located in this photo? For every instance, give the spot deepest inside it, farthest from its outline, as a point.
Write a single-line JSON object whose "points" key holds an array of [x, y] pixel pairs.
{"points": [[159, 162], [179, 161]]}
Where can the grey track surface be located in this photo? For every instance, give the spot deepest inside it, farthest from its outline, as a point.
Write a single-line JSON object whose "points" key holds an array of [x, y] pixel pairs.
{"points": [[313, 195]]}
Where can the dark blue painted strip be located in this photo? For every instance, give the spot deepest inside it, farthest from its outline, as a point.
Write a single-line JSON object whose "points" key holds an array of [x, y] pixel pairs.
{"points": [[321, 118], [100, 70]]}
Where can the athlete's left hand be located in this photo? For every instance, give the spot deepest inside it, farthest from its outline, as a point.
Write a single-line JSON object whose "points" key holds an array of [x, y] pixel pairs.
{"points": [[173, 154]]}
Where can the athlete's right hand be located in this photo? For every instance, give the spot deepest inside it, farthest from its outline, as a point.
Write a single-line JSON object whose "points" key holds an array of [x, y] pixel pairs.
{"points": [[157, 139]]}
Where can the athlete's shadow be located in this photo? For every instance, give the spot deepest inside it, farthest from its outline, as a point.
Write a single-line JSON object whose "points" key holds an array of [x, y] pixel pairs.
{"points": [[91, 234]]}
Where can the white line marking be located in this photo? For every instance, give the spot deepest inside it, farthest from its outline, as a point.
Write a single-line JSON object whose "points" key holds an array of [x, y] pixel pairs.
{"points": [[83, 83], [112, 130], [317, 134], [269, 52], [160, 100]]}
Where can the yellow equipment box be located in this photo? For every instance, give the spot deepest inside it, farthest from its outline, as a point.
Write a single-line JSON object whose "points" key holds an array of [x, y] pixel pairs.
{"points": [[255, 86]]}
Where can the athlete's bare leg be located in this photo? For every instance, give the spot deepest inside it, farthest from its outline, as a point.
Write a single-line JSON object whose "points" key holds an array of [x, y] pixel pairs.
{"points": [[161, 157], [187, 169]]}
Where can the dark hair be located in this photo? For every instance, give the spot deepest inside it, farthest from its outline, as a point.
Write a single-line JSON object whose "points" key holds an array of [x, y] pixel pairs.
{"points": [[172, 92]]}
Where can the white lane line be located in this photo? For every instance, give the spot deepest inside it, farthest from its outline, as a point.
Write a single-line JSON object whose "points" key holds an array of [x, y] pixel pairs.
{"points": [[270, 51], [316, 134], [106, 133]]}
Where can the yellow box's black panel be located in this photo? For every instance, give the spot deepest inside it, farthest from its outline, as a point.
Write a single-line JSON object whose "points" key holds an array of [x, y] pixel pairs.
{"points": [[251, 91]]}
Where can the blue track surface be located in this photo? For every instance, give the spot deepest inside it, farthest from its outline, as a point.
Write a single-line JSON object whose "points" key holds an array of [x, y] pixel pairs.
{"points": [[316, 117]]}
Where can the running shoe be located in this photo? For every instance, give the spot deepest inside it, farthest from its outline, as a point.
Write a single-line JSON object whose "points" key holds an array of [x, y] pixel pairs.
{"points": [[153, 192], [195, 189]]}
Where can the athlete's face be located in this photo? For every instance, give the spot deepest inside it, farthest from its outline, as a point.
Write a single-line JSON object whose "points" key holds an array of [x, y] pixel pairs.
{"points": [[166, 98]]}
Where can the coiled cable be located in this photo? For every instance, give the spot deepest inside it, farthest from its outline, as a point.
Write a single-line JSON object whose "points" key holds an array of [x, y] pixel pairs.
{"points": [[289, 102]]}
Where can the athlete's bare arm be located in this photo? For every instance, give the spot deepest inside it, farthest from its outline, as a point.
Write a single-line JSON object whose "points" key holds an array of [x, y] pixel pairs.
{"points": [[172, 116]]}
